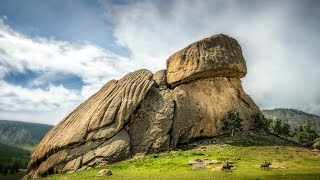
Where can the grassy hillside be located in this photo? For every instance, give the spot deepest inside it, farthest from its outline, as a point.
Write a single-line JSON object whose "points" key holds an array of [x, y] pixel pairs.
{"points": [[294, 117], [22, 133], [246, 150]]}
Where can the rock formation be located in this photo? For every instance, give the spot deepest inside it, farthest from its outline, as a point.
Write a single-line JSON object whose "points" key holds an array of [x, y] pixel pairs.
{"points": [[150, 113], [215, 56], [316, 144]]}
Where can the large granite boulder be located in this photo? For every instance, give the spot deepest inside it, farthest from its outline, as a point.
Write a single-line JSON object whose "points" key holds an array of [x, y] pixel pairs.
{"points": [[149, 113], [94, 129], [202, 105], [150, 125], [218, 55]]}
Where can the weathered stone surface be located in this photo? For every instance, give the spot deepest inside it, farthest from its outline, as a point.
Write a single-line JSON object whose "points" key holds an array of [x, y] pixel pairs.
{"points": [[316, 144], [160, 77], [198, 164], [98, 119], [150, 124], [218, 55], [201, 106], [104, 172], [115, 149], [141, 113], [194, 161], [204, 161]]}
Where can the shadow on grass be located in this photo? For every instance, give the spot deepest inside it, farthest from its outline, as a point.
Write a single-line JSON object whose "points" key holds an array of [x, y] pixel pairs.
{"points": [[12, 176], [242, 139]]}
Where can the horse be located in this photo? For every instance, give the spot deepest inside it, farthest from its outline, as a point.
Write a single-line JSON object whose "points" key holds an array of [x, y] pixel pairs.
{"points": [[265, 165], [227, 166]]}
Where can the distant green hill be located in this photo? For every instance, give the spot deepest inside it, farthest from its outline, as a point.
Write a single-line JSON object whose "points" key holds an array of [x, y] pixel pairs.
{"points": [[294, 117], [17, 140], [11, 160], [22, 133], [9, 154]]}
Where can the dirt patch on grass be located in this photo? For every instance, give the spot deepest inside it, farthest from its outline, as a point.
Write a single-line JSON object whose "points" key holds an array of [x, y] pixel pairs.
{"points": [[215, 168], [277, 165]]}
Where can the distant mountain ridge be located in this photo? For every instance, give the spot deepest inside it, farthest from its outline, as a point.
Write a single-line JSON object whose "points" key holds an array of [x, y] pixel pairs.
{"points": [[294, 117], [22, 133]]}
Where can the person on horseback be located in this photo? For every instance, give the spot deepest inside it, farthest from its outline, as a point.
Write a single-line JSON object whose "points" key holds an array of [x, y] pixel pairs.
{"points": [[226, 166], [265, 165]]}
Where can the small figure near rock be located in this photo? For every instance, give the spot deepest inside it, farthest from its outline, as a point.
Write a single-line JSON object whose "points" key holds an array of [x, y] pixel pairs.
{"points": [[104, 172], [265, 165], [227, 166]]}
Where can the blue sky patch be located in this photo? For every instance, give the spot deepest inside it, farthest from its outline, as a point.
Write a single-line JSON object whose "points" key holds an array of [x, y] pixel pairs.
{"points": [[32, 79], [77, 21]]}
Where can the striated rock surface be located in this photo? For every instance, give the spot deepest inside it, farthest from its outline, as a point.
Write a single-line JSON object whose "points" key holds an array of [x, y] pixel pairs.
{"points": [[94, 129], [218, 55], [149, 113]]}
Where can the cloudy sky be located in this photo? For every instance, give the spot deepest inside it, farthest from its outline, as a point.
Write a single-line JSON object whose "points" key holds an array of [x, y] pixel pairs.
{"points": [[55, 54]]}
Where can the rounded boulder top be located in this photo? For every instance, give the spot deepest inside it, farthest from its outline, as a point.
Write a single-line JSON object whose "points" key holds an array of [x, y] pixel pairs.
{"points": [[215, 56]]}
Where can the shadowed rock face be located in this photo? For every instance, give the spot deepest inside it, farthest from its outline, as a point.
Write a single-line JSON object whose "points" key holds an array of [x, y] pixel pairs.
{"points": [[146, 113], [202, 105]]}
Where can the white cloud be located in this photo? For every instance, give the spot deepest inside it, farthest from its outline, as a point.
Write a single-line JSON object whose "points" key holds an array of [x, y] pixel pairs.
{"points": [[55, 97], [52, 58], [281, 56], [36, 105]]}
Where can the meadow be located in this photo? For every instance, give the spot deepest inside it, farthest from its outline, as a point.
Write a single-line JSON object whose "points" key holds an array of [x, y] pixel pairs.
{"points": [[288, 162]]}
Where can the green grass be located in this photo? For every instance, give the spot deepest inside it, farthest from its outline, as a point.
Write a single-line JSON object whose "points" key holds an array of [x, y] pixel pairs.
{"points": [[288, 162], [28, 147]]}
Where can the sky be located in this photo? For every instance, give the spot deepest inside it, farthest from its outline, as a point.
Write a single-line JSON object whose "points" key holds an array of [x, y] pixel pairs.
{"points": [[55, 54]]}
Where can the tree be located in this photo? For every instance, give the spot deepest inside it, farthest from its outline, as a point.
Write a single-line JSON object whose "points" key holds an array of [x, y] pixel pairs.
{"points": [[232, 123], [277, 127], [280, 129], [285, 130], [262, 123], [305, 135]]}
